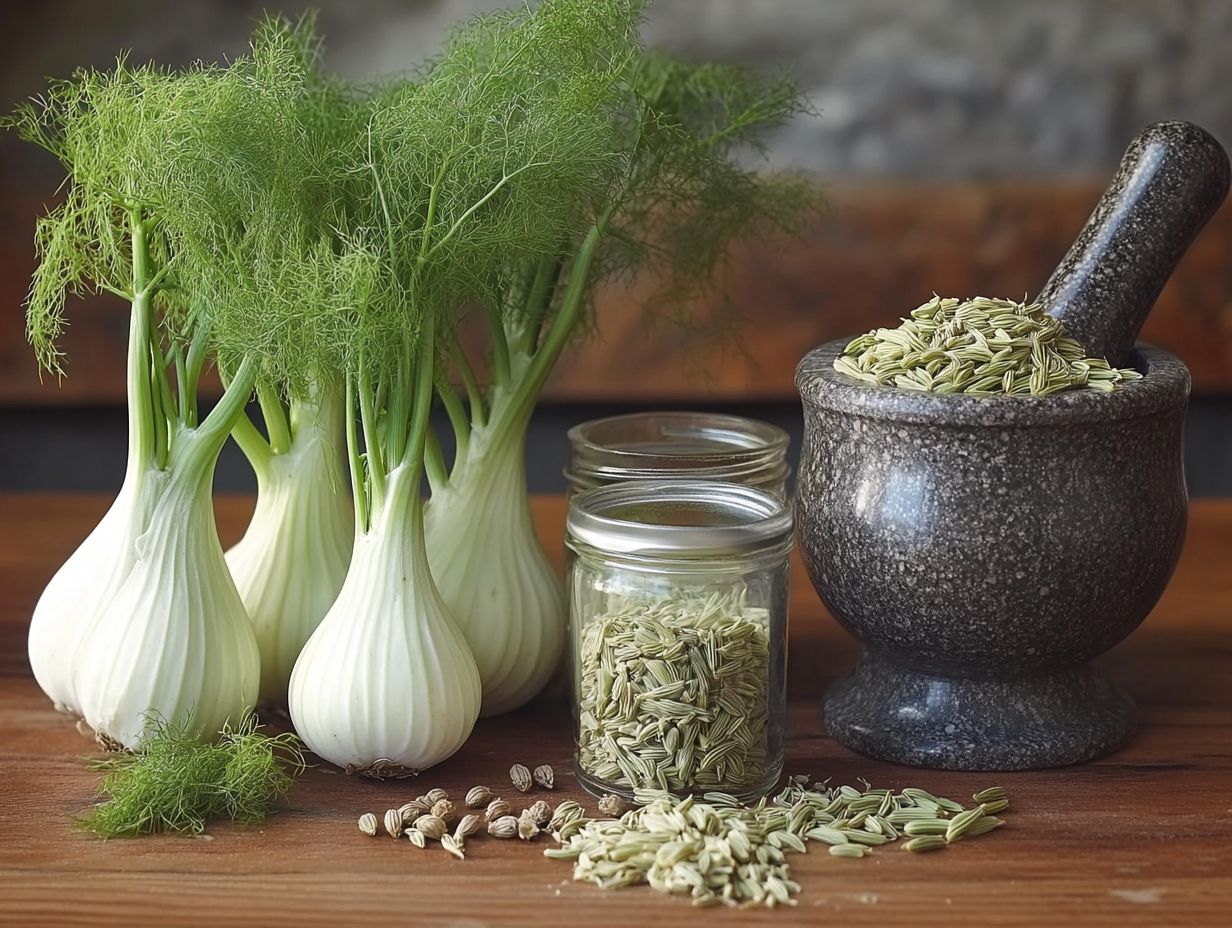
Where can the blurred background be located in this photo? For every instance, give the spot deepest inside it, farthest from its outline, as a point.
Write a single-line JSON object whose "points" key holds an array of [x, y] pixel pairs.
{"points": [[962, 144]]}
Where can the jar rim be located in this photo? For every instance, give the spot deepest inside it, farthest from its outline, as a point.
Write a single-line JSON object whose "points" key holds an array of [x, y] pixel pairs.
{"points": [[678, 518], [643, 445]]}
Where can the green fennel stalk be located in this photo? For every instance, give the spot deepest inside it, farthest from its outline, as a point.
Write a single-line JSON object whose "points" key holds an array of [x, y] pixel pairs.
{"points": [[671, 209], [453, 176]]}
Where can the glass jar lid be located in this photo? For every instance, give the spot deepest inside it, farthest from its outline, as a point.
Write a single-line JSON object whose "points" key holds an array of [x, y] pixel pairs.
{"points": [[697, 445], [679, 518]]}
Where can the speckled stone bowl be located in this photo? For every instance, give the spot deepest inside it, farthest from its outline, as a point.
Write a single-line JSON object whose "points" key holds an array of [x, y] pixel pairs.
{"points": [[984, 550]]}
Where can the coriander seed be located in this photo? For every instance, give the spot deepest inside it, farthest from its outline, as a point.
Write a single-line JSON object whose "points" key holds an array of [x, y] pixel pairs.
{"points": [[540, 812], [504, 827], [393, 823], [467, 826], [444, 810], [521, 778], [477, 797], [432, 826]]}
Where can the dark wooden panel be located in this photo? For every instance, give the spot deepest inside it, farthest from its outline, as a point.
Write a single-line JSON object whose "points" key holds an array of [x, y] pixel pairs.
{"points": [[880, 251]]}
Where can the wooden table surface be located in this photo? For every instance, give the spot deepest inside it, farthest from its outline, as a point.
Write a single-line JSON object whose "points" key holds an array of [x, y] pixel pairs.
{"points": [[1140, 838]]}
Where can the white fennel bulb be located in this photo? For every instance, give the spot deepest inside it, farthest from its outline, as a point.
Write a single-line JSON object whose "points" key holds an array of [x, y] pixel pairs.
{"points": [[387, 682], [494, 575], [291, 562], [173, 641], [80, 589]]}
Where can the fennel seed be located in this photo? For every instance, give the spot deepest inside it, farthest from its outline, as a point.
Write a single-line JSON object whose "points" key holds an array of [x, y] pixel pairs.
{"points": [[565, 812], [925, 843], [847, 850], [434, 795], [416, 837], [673, 693], [444, 810], [923, 827], [962, 822], [722, 851], [521, 778], [980, 347], [368, 824], [545, 776]]}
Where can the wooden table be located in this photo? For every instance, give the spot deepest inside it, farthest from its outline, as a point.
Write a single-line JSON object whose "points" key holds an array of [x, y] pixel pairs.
{"points": [[1141, 838]]}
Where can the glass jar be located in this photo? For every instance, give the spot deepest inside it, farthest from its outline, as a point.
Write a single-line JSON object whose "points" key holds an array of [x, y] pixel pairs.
{"points": [[677, 445], [678, 622]]}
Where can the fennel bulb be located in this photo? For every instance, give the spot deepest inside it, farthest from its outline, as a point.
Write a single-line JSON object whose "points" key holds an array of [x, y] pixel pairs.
{"points": [[81, 588], [173, 642], [184, 192], [493, 574], [387, 682], [291, 562]]}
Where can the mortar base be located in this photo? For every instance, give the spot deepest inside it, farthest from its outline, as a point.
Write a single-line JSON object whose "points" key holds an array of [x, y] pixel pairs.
{"points": [[897, 714]]}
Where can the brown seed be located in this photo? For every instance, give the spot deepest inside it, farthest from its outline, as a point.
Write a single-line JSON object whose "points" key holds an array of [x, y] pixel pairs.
{"points": [[539, 812], [433, 796], [443, 809], [545, 777], [367, 824], [611, 805], [412, 810], [521, 778], [468, 825], [393, 823], [497, 808], [504, 827], [478, 796], [431, 825]]}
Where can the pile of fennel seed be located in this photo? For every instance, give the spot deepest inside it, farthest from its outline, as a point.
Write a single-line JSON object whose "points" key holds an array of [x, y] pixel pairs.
{"points": [[979, 347], [719, 851]]}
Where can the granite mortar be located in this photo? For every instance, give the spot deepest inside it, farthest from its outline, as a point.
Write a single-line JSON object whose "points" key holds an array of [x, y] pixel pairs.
{"points": [[984, 550]]}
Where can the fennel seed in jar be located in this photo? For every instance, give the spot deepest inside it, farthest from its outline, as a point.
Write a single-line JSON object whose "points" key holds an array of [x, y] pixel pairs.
{"points": [[673, 693]]}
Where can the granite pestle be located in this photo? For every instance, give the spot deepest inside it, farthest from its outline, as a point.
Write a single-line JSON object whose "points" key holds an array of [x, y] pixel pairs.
{"points": [[1172, 179]]}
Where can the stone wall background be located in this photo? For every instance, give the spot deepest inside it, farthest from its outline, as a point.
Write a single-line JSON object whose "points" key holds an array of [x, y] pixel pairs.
{"points": [[906, 88], [915, 91]]}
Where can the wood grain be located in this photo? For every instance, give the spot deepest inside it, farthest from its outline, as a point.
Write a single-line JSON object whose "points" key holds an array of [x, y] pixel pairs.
{"points": [[880, 252], [1141, 838]]}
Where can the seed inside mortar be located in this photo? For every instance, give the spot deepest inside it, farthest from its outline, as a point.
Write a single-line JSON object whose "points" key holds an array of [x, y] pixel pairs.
{"points": [[980, 347]]}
